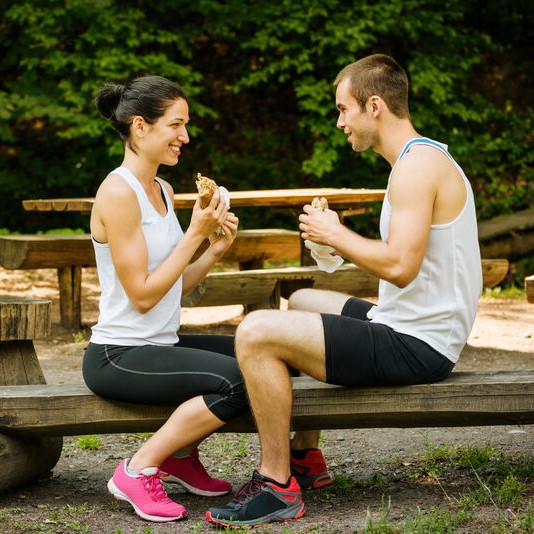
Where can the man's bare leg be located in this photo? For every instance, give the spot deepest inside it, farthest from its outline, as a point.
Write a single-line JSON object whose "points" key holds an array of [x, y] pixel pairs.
{"points": [[318, 301], [267, 343]]}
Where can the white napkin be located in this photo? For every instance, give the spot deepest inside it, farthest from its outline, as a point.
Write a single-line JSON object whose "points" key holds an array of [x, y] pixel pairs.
{"points": [[322, 254], [225, 195]]}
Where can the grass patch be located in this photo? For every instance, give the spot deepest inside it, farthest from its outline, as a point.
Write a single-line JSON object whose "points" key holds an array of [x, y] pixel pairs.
{"points": [[512, 292], [472, 479], [89, 442]]}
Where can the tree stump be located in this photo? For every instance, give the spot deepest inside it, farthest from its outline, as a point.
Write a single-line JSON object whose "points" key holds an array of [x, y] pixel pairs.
{"points": [[21, 320]]}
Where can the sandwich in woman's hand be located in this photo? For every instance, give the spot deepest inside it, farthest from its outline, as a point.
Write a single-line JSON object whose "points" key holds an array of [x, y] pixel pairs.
{"points": [[206, 189]]}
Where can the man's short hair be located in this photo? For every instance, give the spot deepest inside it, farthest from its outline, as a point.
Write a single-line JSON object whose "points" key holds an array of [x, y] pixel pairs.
{"points": [[381, 75]]}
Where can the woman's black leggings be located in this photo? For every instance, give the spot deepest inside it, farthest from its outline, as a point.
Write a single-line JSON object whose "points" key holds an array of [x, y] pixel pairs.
{"points": [[154, 374]]}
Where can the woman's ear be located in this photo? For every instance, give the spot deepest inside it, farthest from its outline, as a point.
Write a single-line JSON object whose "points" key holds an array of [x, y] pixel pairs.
{"points": [[139, 126]]}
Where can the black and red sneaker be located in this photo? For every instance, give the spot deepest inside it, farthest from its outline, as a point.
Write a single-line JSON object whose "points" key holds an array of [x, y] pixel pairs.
{"points": [[258, 502], [309, 468]]}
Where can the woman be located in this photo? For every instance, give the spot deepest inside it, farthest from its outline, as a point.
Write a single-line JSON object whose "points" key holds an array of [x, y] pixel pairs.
{"points": [[143, 261]]}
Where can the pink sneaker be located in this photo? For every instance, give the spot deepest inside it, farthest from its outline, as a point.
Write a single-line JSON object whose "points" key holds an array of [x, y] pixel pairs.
{"points": [[145, 493], [191, 474]]}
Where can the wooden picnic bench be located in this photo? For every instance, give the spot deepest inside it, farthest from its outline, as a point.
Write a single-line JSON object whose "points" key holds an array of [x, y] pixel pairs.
{"points": [[262, 288], [35, 416], [69, 253], [250, 285]]}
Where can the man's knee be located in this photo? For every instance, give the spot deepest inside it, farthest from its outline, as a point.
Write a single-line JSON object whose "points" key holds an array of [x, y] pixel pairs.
{"points": [[300, 299], [252, 333]]}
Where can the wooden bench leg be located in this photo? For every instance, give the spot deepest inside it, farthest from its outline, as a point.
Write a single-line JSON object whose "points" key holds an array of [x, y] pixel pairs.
{"points": [[70, 296], [24, 459], [529, 288], [272, 304]]}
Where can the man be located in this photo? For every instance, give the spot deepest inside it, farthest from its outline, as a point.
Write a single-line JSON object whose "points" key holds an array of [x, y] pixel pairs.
{"points": [[429, 267]]}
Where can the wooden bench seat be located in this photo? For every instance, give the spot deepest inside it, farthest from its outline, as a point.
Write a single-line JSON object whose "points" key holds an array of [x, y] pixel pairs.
{"points": [[35, 416], [465, 399], [263, 288]]}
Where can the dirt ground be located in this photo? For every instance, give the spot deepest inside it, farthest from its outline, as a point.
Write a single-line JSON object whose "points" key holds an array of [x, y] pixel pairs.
{"points": [[74, 497]]}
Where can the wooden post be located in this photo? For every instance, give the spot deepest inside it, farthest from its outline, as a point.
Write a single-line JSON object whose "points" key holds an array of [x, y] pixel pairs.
{"points": [[70, 296], [529, 288], [22, 320]]}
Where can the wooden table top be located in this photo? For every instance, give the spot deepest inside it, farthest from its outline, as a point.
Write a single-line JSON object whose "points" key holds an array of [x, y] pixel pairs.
{"points": [[338, 198]]}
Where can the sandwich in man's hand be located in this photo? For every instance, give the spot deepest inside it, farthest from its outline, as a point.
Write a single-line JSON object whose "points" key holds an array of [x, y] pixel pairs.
{"points": [[320, 203]]}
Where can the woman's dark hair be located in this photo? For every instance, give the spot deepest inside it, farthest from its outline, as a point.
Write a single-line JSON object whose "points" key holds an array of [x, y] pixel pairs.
{"points": [[147, 96]]}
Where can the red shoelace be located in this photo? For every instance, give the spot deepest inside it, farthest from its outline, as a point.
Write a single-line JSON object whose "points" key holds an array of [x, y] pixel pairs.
{"points": [[252, 487]]}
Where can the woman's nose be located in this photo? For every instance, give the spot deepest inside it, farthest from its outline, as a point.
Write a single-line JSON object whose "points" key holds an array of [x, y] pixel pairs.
{"points": [[183, 136]]}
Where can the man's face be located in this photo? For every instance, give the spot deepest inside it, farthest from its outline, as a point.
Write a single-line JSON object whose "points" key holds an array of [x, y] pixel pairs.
{"points": [[358, 125]]}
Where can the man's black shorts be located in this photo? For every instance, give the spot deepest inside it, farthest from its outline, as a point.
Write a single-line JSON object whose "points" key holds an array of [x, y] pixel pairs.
{"points": [[364, 353]]}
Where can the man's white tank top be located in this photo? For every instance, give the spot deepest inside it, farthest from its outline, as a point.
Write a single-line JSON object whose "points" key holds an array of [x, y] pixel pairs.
{"points": [[439, 305], [119, 323]]}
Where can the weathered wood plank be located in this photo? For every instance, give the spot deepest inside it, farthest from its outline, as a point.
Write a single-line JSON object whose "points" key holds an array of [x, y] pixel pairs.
{"points": [[505, 224], [19, 363], [508, 236], [529, 288], [493, 272], [465, 399], [70, 296], [46, 251], [257, 285], [22, 460], [58, 250], [338, 198], [23, 318], [253, 247]]}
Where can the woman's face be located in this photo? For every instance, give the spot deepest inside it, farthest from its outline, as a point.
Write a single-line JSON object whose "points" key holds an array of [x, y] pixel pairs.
{"points": [[163, 140]]}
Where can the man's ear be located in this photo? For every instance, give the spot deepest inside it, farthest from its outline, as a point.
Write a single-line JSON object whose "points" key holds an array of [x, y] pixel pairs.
{"points": [[375, 105]]}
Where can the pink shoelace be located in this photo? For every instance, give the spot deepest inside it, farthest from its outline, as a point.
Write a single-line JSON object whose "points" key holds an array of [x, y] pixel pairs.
{"points": [[155, 487]]}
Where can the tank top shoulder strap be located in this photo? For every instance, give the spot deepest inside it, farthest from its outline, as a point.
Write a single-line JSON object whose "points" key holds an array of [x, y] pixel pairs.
{"points": [[128, 177], [140, 193], [425, 141]]}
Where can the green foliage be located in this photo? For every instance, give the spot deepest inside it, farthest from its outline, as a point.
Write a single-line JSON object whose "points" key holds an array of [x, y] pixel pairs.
{"points": [[259, 79]]}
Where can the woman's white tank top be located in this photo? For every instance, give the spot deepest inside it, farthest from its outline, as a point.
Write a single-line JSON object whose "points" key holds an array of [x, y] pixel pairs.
{"points": [[119, 323], [439, 305]]}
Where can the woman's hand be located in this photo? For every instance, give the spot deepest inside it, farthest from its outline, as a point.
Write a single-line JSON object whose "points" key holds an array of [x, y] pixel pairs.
{"points": [[205, 221], [220, 242]]}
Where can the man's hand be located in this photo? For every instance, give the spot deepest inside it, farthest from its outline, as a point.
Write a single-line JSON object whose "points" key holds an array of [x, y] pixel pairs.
{"points": [[318, 225]]}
